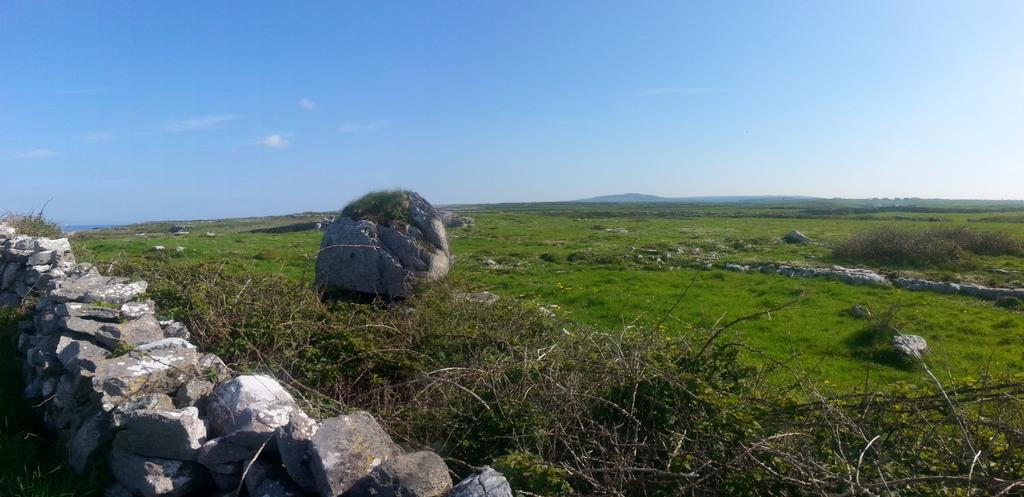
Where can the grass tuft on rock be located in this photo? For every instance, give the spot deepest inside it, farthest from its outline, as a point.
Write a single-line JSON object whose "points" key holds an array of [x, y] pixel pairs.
{"points": [[381, 207], [33, 224]]}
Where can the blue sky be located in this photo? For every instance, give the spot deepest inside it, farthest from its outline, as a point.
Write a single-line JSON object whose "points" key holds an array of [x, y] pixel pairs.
{"points": [[129, 111]]}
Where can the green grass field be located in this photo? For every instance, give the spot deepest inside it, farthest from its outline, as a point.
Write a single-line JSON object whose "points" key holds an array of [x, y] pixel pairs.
{"points": [[616, 266]]}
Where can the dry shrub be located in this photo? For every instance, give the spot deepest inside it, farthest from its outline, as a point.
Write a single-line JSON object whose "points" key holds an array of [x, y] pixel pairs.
{"points": [[33, 224], [567, 409], [938, 247]]}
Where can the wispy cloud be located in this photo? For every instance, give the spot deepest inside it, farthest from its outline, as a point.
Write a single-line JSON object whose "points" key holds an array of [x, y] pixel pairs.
{"points": [[357, 128], [37, 153], [100, 136], [675, 90], [275, 141], [307, 104], [201, 123]]}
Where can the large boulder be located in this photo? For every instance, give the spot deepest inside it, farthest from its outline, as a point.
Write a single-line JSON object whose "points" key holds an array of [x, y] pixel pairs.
{"points": [[384, 253], [420, 474]]}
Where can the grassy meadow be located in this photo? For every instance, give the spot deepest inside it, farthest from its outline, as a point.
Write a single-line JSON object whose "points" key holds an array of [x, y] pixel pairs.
{"points": [[623, 265]]}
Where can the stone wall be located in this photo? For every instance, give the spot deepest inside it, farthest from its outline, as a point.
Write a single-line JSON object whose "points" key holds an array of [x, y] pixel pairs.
{"points": [[120, 386]]}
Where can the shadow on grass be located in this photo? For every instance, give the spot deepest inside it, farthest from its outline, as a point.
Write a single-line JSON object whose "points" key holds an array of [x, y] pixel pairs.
{"points": [[31, 462], [873, 342]]}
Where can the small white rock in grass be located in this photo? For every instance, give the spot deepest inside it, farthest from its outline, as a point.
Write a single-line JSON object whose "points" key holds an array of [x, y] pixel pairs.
{"points": [[179, 249], [159, 248]]}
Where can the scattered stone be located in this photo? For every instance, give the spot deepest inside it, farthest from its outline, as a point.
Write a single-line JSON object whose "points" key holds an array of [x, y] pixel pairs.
{"points": [[795, 237], [384, 259], [420, 474], [484, 298], [546, 312], [860, 312], [159, 248], [175, 434], [156, 477], [910, 345], [345, 449], [181, 229], [175, 329], [485, 482], [736, 267], [179, 249]]}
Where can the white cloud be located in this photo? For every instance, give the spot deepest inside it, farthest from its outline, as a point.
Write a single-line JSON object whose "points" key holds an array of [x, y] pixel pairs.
{"points": [[38, 153], [201, 123], [356, 128], [307, 104], [275, 141], [100, 136]]}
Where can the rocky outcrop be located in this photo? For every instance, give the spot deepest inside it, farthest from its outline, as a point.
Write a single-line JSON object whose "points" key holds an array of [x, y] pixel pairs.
{"points": [[384, 258], [125, 388]]}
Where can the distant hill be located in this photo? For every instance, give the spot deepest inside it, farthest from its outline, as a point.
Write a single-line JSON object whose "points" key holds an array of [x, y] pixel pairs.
{"points": [[644, 198]]}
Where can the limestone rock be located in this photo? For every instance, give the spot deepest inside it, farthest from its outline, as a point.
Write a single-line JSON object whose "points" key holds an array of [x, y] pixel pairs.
{"points": [[795, 237], [231, 398], [135, 310], [345, 449], [78, 355], [910, 345], [384, 259], [484, 298], [93, 434], [113, 335], [294, 442], [176, 434], [420, 474], [192, 392], [91, 288], [156, 477], [164, 371], [87, 311], [486, 482]]}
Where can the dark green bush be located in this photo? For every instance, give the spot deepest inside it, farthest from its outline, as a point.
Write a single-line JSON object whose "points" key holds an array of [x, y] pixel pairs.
{"points": [[381, 207], [938, 247], [1012, 303]]}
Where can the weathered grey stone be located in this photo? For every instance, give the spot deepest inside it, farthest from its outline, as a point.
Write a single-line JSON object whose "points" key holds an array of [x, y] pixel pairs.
{"points": [[91, 287], [910, 345], [192, 392], [113, 335], [164, 371], [345, 449], [420, 474], [175, 329], [260, 471], [87, 311], [231, 398], [213, 368], [46, 322], [860, 312], [92, 435], [10, 273], [294, 442], [78, 356], [156, 477], [44, 258], [795, 237], [176, 434], [7, 231], [165, 344], [485, 482], [256, 424], [219, 451], [135, 310], [367, 257]]}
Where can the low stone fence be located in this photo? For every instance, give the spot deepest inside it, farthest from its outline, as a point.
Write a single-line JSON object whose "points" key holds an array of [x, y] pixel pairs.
{"points": [[122, 387]]}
